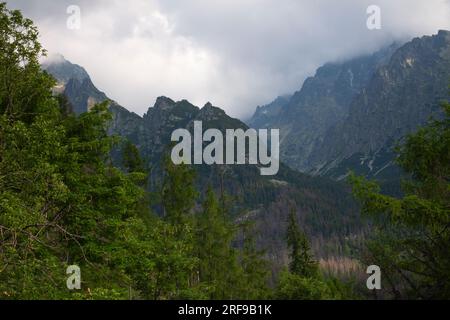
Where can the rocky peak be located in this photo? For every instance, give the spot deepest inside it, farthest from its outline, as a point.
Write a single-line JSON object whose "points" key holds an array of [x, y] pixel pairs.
{"points": [[444, 35], [401, 96], [265, 115], [64, 70], [74, 82], [210, 113], [208, 105], [164, 103]]}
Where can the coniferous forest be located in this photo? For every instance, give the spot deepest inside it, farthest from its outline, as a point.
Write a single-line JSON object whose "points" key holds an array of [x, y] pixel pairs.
{"points": [[75, 193]]}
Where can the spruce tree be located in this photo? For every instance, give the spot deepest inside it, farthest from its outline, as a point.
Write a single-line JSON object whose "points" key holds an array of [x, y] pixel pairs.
{"points": [[255, 268], [178, 194], [302, 262], [411, 245], [131, 158], [61, 200], [218, 268]]}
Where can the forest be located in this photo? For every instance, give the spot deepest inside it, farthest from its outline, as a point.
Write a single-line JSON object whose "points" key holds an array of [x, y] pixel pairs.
{"points": [[64, 202]]}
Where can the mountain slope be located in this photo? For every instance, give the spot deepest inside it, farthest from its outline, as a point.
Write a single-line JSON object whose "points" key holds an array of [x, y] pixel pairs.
{"points": [[350, 116], [75, 83], [322, 102], [326, 208], [265, 116], [400, 97]]}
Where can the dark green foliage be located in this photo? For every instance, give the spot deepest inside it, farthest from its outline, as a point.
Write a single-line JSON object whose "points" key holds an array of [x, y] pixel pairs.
{"points": [[178, 194], [255, 268], [24, 90], [295, 287], [217, 258], [62, 202], [226, 272], [131, 158], [303, 281], [412, 250]]}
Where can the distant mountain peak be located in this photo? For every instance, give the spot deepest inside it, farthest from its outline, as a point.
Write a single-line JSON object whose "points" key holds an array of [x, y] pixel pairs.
{"points": [[74, 82], [55, 58], [444, 33], [208, 105], [359, 105], [163, 103], [209, 112], [63, 70]]}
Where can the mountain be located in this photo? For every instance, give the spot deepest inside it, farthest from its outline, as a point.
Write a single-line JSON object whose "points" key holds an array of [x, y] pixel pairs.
{"points": [[325, 208], [265, 115], [350, 115], [305, 117], [401, 96], [75, 83]]}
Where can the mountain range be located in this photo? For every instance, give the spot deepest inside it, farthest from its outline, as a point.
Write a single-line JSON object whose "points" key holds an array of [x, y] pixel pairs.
{"points": [[326, 209], [349, 116]]}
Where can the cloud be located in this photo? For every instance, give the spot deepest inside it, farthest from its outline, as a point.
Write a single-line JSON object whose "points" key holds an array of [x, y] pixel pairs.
{"points": [[236, 54]]}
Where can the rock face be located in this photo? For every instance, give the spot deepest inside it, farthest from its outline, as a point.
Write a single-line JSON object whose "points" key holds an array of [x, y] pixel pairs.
{"points": [[350, 115], [323, 101], [266, 115], [347, 116], [75, 83], [400, 96], [325, 207]]}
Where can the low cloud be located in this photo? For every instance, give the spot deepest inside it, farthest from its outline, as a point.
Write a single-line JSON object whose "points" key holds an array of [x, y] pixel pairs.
{"points": [[236, 54]]}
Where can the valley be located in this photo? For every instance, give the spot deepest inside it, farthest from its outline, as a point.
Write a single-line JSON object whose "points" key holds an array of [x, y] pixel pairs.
{"points": [[317, 125]]}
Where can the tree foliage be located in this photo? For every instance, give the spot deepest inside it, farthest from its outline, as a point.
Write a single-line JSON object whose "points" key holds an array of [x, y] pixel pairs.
{"points": [[412, 247], [62, 202], [302, 262]]}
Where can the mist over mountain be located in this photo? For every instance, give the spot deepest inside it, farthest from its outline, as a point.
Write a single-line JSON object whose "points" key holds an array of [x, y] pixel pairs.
{"points": [[159, 195], [350, 115], [322, 102], [401, 96], [347, 117], [74, 82], [265, 200]]}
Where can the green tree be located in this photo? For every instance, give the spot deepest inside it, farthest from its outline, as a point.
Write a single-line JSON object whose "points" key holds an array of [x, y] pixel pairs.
{"points": [[131, 158], [302, 262], [178, 194], [303, 280], [413, 236], [61, 200], [255, 267], [295, 287], [24, 89], [218, 267]]}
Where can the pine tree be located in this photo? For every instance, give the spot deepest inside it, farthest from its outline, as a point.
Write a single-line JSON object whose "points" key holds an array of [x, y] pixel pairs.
{"points": [[303, 280], [61, 200], [218, 268], [411, 246], [255, 267], [302, 262], [178, 194]]}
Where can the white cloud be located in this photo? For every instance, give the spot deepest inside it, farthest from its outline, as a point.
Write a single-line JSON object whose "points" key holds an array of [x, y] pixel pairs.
{"points": [[236, 54]]}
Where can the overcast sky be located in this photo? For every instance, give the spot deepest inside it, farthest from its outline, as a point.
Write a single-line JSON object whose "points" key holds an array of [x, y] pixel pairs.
{"points": [[236, 54]]}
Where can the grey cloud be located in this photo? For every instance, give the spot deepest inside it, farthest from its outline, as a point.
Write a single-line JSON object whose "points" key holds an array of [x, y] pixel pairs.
{"points": [[237, 54]]}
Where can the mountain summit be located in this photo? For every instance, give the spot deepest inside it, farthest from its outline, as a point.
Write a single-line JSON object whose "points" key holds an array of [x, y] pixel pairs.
{"points": [[263, 199], [74, 82], [350, 115], [323, 101]]}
